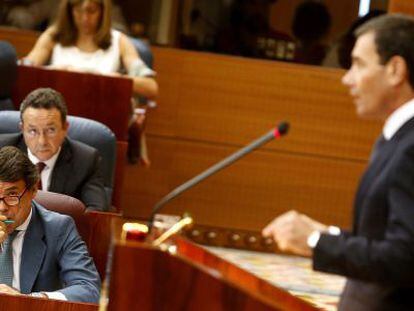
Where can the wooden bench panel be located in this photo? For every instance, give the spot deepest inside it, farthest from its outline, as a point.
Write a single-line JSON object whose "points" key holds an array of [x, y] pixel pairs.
{"points": [[401, 6], [230, 100], [246, 195]]}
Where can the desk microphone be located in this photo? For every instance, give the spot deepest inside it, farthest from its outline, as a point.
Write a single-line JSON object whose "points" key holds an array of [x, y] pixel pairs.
{"points": [[275, 133]]}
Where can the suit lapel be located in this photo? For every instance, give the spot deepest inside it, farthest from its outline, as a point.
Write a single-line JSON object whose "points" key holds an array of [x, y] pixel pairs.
{"points": [[33, 252], [21, 144], [382, 155], [62, 169]]}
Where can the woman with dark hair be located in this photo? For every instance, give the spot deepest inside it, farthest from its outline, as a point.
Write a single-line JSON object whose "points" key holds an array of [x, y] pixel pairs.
{"points": [[82, 39]]}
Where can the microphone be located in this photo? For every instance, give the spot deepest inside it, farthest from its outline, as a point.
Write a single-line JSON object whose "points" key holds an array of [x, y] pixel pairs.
{"points": [[275, 133]]}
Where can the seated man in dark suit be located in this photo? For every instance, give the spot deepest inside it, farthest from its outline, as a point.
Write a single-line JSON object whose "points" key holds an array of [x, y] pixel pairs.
{"points": [[42, 253], [377, 255], [66, 166]]}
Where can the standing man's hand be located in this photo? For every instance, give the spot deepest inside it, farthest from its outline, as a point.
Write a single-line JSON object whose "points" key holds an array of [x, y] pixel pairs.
{"points": [[5, 289], [291, 231]]}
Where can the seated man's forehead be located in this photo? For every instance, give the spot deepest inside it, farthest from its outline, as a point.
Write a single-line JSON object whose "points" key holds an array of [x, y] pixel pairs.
{"points": [[11, 185], [44, 117]]}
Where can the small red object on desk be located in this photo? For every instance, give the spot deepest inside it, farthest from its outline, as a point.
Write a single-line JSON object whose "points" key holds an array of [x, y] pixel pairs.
{"points": [[134, 232]]}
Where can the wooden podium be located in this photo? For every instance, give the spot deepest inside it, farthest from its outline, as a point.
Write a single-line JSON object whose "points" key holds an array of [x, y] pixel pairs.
{"points": [[146, 278]]}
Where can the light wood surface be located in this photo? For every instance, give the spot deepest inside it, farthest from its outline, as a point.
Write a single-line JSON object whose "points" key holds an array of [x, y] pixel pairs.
{"points": [[230, 101], [248, 194], [22, 40], [401, 6]]}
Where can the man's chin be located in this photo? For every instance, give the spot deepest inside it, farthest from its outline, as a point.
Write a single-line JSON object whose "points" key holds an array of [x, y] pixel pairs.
{"points": [[367, 115], [364, 115], [44, 155]]}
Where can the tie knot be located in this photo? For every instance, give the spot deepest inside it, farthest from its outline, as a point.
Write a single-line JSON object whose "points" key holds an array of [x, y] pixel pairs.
{"points": [[40, 166]]}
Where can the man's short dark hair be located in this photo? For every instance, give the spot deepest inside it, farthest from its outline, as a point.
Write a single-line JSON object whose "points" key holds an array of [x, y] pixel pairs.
{"points": [[394, 36], [15, 166], [45, 98]]}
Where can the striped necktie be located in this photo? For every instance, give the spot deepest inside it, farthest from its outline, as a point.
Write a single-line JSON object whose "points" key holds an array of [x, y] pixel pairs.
{"points": [[6, 260], [40, 166]]}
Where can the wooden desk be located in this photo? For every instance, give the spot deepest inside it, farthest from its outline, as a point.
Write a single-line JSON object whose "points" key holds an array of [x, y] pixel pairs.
{"points": [[97, 234], [101, 98], [145, 278], [24, 303]]}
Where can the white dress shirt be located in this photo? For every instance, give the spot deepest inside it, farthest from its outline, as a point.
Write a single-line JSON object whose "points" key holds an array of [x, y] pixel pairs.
{"points": [[47, 171], [397, 119], [17, 256]]}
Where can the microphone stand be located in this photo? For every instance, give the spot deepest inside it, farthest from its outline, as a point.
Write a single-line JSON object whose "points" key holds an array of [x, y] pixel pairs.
{"points": [[281, 130]]}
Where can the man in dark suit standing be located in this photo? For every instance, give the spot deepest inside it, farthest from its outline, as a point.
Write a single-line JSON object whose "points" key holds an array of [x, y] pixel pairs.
{"points": [[66, 166], [377, 256]]}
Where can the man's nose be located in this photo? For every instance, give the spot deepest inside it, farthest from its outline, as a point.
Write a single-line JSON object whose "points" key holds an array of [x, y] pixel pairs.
{"points": [[347, 78], [42, 138]]}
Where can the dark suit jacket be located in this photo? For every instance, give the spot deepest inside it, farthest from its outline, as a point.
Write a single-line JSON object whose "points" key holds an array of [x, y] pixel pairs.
{"points": [[77, 171], [378, 255], [54, 258]]}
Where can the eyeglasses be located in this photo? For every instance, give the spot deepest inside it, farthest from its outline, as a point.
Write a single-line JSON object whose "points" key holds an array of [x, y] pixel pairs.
{"points": [[48, 132], [13, 200]]}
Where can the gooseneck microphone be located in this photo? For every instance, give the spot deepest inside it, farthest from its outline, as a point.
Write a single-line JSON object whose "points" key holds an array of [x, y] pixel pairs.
{"points": [[275, 133]]}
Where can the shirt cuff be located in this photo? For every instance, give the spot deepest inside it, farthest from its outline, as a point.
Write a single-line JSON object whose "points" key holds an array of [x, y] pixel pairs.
{"points": [[55, 295], [333, 230], [139, 69], [314, 237]]}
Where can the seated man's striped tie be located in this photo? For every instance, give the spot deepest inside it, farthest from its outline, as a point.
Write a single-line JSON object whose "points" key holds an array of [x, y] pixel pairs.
{"points": [[6, 260], [40, 166]]}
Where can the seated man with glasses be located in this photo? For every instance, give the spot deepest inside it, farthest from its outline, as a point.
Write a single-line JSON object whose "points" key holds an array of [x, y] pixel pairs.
{"points": [[66, 166], [42, 254]]}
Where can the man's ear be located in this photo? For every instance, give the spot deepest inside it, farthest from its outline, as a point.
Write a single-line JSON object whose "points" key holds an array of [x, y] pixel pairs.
{"points": [[34, 191], [397, 71], [66, 126], [21, 126]]}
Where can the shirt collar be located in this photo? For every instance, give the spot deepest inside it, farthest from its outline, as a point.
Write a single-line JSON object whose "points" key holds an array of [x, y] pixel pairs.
{"points": [[25, 224], [397, 119], [50, 163]]}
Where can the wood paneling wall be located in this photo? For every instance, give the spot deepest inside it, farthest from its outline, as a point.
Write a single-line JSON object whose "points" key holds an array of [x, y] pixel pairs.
{"points": [[401, 6], [22, 40], [211, 105]]}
